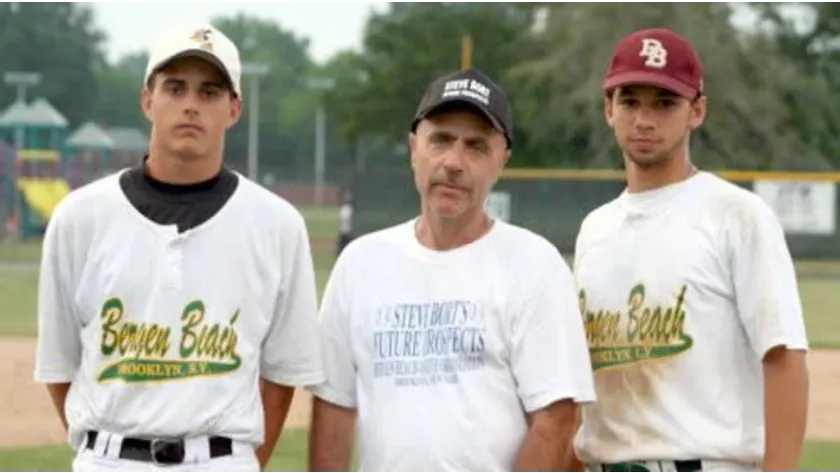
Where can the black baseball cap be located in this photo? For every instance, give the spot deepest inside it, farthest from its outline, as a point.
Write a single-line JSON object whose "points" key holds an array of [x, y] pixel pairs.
{"points": [[473, 88]]}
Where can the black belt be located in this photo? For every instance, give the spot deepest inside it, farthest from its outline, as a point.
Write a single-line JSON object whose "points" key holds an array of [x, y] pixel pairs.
{"points": [[163, 451], [681, 465]]}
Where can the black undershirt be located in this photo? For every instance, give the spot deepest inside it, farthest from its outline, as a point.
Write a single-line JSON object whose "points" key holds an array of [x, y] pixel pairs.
{"points": [[184, 205]]}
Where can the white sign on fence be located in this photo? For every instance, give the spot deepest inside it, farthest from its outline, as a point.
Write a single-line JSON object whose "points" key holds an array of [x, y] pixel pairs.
{"points": [[497, 206], [806, 207]]}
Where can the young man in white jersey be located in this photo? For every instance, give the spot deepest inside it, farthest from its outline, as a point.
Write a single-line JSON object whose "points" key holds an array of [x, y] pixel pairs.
{"points": [[177, 306], [454, 342], [688, 292]]}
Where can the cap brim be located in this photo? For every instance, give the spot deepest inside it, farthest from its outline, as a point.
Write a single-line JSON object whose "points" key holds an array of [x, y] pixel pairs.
{"points": [[651, 78], [201, 54], [460, 102]]}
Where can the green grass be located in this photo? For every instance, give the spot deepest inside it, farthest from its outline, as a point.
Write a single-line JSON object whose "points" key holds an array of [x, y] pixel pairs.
{"points": [[18, 286], [291, 455], [819, 456], [821, 302], [820, 296], [28, 251], [18, 289], [321, 222]]}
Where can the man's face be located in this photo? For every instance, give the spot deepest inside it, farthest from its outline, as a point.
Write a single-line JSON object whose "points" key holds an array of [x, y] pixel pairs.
{"points": [[190, 106], [652, 125], [457, 157]]}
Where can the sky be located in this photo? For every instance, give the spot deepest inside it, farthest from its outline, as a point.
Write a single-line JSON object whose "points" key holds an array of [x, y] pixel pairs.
{"points": [[330, 26], [130, 27]]}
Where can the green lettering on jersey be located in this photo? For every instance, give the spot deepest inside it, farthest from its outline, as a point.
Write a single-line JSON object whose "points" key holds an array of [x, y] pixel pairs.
{"points": [[143, 349], [642, 334]]}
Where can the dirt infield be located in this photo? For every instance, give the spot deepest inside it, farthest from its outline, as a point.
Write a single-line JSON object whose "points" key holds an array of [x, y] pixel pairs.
{"points": [[29, 418]]}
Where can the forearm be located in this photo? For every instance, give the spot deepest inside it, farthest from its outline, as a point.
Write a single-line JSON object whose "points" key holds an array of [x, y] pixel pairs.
{"points": [[58, 394], [544, 450], [785, 410], [572, 463], [548, 443], [330, 436], [276, 400]]}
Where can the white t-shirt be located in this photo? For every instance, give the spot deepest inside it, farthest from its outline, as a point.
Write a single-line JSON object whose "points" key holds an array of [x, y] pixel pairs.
{"points": [[683, 290], [165, 334], [441, 351]]}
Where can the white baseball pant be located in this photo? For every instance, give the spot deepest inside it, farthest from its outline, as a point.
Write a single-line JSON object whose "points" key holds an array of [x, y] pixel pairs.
{"points": [[105, 457]]}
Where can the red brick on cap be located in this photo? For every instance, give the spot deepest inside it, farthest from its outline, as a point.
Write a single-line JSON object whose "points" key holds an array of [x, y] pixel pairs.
{"points": [[657, 57]]}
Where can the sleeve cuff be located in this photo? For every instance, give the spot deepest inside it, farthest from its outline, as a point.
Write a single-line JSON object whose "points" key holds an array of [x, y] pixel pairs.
{"points": [[787, 344], [296, 380], [53, 377], [542, 400], [333, 396]]}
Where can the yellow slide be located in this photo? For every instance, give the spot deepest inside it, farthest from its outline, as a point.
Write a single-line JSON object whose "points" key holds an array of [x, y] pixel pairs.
{"points": [[43, 195]]}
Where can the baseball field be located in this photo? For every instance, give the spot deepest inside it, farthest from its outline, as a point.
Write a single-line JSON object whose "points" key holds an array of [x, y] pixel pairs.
{"points": [[31, 438]]}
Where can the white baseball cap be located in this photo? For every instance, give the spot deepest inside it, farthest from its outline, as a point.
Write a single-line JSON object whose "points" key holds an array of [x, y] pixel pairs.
{"points": [[205, 42]]}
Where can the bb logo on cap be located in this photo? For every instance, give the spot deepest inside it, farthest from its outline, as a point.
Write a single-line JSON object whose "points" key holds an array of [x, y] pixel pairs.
{"points": [[657, 57], [654, 53]]}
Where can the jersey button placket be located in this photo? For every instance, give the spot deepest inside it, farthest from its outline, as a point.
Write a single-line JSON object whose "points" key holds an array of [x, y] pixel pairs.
{"points": [[173, 265]]}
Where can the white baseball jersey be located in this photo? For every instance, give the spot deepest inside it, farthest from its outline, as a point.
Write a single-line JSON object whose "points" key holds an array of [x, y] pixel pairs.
{"points": [[164, 334], [683, 291], [440, 352]]}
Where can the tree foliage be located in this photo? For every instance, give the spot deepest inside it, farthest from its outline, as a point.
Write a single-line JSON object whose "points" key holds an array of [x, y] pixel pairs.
{"points": [[410, 45], [62, 43], [770, 86]]}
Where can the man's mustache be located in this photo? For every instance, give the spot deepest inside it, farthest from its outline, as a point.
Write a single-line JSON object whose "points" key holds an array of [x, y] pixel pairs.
{"points": [[450, 182]]}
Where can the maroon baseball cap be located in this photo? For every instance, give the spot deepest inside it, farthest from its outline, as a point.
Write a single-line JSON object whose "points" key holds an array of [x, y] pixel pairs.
{"points": [[658, 57]]}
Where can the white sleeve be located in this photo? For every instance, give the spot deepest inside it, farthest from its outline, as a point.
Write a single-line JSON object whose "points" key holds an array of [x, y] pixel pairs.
{"points": [[291, 353], [764, 279], [336, 342], [59, 346], [549, 352]]}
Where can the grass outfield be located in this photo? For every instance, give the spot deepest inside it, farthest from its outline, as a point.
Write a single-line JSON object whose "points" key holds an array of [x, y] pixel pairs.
{"points": [[290, 455], [18, 283], [820, 298], [19, 276]]}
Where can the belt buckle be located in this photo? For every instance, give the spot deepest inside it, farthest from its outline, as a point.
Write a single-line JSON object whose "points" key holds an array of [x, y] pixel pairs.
{"points": [[167, 451]]}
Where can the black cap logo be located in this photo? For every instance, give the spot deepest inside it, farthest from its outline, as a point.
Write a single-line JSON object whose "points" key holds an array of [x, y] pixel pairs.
{"points": [[472, 88]]}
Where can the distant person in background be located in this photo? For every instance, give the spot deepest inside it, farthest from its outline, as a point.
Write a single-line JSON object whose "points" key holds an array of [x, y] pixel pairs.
{"points": [[345, 223]]}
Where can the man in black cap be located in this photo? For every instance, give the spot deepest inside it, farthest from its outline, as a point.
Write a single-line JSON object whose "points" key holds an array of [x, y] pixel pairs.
{"points": [[454, 341]]}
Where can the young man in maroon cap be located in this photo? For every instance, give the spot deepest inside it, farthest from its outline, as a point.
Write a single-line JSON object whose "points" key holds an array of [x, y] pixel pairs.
{"points": [[688, 293]]}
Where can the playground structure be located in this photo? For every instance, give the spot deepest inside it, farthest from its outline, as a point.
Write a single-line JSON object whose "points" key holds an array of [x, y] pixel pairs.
{"points": [[41, 161]]}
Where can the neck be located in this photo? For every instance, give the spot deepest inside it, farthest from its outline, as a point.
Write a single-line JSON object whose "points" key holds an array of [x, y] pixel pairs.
{"points": [[446, 234], [172, 169], [641, 179]]}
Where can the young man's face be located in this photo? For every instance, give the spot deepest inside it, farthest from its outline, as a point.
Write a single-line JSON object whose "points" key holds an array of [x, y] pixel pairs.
{"points": [[191, 106], [457, 157], [652, 124]]}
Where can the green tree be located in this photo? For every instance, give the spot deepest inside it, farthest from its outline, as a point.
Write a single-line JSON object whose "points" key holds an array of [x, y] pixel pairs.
{"points": [[61, 42], [286, 123], [815, 51], [756, 97], [411, 44], [118, 101]]}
